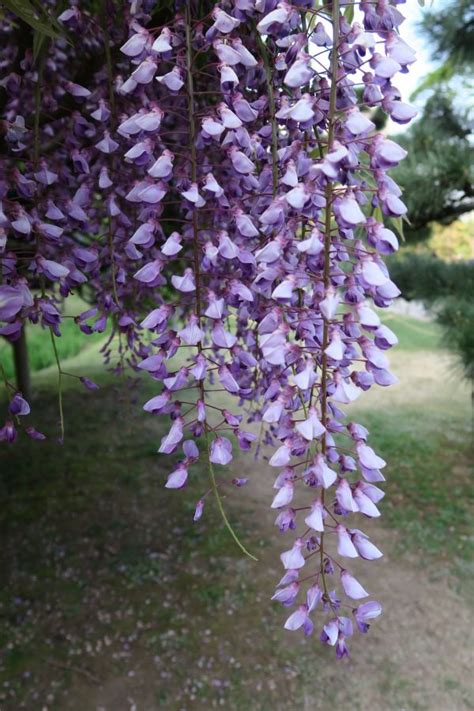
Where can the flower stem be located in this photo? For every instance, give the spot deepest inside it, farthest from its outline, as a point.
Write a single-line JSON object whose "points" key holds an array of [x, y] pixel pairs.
{"points": [[220, 505], [60, 383], [272, 107], [197, 270], [327, 251]]}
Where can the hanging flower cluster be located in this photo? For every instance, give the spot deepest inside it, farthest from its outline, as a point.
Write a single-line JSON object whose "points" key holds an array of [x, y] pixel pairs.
{"points": [[218, 189]]}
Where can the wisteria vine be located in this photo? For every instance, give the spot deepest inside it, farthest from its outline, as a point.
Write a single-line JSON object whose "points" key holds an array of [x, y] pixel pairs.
{"points": [[209, 178]]}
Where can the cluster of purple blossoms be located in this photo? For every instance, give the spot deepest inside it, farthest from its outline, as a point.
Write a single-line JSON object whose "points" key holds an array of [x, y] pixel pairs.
{"points": [[217, 190]]}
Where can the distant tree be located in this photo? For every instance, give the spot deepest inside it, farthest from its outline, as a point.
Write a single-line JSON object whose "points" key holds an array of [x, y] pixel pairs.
{"points": [[438, 175], [445, 288], [454, 242], [438, 178], [451, 34], [456, 317]]}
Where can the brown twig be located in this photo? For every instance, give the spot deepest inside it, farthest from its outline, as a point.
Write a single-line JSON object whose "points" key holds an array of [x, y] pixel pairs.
{"points": [[78, 670]]}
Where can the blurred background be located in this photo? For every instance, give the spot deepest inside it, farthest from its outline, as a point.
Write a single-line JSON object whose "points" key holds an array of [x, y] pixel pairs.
{"points": [[113, 600]]}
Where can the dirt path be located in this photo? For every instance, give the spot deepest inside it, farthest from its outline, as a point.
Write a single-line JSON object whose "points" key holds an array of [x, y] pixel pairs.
{"points": [[233, 653], [127, 606], [417, 657]]}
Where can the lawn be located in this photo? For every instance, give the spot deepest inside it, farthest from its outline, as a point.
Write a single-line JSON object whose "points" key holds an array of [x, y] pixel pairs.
{"points": [[423, 427], [40, 350], [113, 599]]}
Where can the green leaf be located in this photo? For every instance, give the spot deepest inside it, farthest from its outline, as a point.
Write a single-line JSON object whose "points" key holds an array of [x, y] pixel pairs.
{"points": [[349, 13], [40, 40], [26, 12], [378, 214], [397, 224]]}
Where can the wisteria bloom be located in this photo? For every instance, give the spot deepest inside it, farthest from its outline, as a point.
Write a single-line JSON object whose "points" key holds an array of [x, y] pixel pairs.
{"points": [[219, 186]]}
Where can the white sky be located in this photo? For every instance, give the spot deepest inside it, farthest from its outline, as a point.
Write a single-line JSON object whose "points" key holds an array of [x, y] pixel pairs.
{"points": [[410, 32]]}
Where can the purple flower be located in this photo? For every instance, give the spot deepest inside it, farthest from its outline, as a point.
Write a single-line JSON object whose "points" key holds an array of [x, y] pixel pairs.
{"points": [[178, 478], [76, 90], [293, 559], [306, 377], [172, 80], [368, 458], [341, 647], [284, 495], [300, 618], [288, 594], [227, 380], [198, 510], [365, 504], [18, 406], [223, 22], [34, 434], [282, 456], [274, 411], [239, 251], [135, 44], [365, 547], [191, 334], [336, 348], [157, 317], [173, 438], [344, 496], [348, 211], [345, 546], [107, 144], [11, 302], [325, 476], [352, 587], [358, 123], [8, 432], [151, 122], [240, 162], [313, 596], [240, 481], [329, 304], [184, 283], [299, 74], [52, 270], [145, 71], [330, 632], [157, 403], [366, 611], [279, 16], [162, 43], [221, 451], [190, 449], [316, 517], [89, 384], [163, 167], [286, 520]]}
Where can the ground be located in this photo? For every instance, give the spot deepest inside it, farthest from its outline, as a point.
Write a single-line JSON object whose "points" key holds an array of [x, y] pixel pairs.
{"points": [[114, 600]]}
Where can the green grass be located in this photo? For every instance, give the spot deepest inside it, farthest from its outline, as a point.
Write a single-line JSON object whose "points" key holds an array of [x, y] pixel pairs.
{"points": [[95, 548], [40, 349], [413, 334], [429, 494], [423, 429], [89, 529]]}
